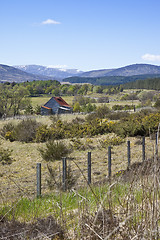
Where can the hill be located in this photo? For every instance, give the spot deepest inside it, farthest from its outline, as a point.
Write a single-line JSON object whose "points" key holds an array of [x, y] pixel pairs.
{"points": [[98, 77], [135, 69], [130, 70], [11, 74], [96, 73], [56, 73], [110, 80]]}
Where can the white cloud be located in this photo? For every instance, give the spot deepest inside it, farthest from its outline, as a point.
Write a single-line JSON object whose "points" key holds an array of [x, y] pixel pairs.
{"points": [[151, 57], [50, 21]]}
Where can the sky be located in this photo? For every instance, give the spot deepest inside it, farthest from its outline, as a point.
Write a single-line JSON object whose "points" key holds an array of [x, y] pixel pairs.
{"points": [[79, 34]]}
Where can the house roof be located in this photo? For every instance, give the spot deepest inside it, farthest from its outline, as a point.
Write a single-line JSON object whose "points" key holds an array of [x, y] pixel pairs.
{"points": [[61, 102], [46, 107]]}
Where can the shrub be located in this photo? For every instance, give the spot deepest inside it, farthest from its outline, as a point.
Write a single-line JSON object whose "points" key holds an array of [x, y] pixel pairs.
{"points": [[43, 134], [111, 140], [122, 107], [25, 131], [37, 110], [157, 103], [151, 122], [118, 115], [78, 120], [132, 96], [55, 180], [10, 136], [102, 111], [9, 127], [90, 117], [77, 144], [117, 107], [54, 150], [8, 132], [54, 118], [29, 109], [129, 127], [57, 133], [5, 156], [103, 100]]}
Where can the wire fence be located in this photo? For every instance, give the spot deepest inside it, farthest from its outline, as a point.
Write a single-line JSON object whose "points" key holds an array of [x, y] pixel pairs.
{"points": [[87, 168]]}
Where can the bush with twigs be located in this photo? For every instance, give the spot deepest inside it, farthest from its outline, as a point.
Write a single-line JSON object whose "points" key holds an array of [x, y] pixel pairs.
{"points": [[5, 156], [54, 179], [54, 150]]}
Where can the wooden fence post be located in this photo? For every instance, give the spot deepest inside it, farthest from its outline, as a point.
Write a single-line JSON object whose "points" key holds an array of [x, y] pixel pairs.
{"points": [[109, 161], [134, 108], [89, 167], [64, 176], [38, 179], [156, 145], [129, 153], [143, 148]]}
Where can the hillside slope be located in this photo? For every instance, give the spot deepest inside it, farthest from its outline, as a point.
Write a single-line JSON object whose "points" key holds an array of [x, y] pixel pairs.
{"points": [[56, 73], [110, 80], [130, 70], [11, 74], [135, 69]]}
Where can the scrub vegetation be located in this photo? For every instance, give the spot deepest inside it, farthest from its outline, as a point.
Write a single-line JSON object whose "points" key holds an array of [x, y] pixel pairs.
{"points": [[125, 206]]}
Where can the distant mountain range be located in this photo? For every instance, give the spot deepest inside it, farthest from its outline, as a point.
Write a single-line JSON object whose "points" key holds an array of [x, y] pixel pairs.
{"points": [[130, 70], [56, 73], [59, 73], [128, 73]]}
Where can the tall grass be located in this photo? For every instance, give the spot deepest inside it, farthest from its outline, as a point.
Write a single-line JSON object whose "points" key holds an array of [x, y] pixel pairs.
{"points": [[115, 210]]}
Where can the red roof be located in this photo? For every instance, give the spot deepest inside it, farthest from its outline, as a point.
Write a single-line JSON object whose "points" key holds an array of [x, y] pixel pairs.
{"points": [[61, 101], [46, 107]]}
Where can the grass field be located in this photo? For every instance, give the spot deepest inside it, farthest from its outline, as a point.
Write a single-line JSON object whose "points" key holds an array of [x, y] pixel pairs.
{"points": [[107, 209], [22, 172]]}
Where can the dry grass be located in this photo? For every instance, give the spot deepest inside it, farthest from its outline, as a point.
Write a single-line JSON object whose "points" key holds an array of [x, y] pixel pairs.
{"points": [[21, 174], [119, 209]]}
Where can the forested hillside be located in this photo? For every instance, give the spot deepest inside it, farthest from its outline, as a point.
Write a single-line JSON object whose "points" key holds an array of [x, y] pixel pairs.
{"points": [[109, 80], [151, 83]]}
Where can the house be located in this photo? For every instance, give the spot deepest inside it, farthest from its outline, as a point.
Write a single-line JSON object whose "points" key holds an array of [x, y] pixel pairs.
{"points": [[56, 105]]}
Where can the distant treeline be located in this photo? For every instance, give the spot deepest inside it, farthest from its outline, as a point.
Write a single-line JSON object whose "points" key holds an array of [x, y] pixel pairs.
{"points": [[110, 80], [152, 83], [54, 87]]}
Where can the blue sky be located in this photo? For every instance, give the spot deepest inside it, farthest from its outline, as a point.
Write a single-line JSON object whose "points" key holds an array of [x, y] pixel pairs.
{"points": [[81, 34]]}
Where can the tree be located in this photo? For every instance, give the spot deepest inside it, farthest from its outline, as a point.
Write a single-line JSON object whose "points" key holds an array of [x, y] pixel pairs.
{"points": [[97, 89], [56, 92], [19, 95], [6, 101], [90, 107], [157, 104], [76, 107], [12, 99], [83, 90], [72, 89]]}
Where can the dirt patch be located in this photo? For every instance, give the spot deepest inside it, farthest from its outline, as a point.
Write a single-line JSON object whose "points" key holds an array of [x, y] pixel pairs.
{"points": [[101, 224], [46, 228]]}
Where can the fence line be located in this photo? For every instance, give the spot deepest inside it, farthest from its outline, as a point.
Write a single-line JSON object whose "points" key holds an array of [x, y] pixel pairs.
{"points": [[89, 167], [32, 186]]}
